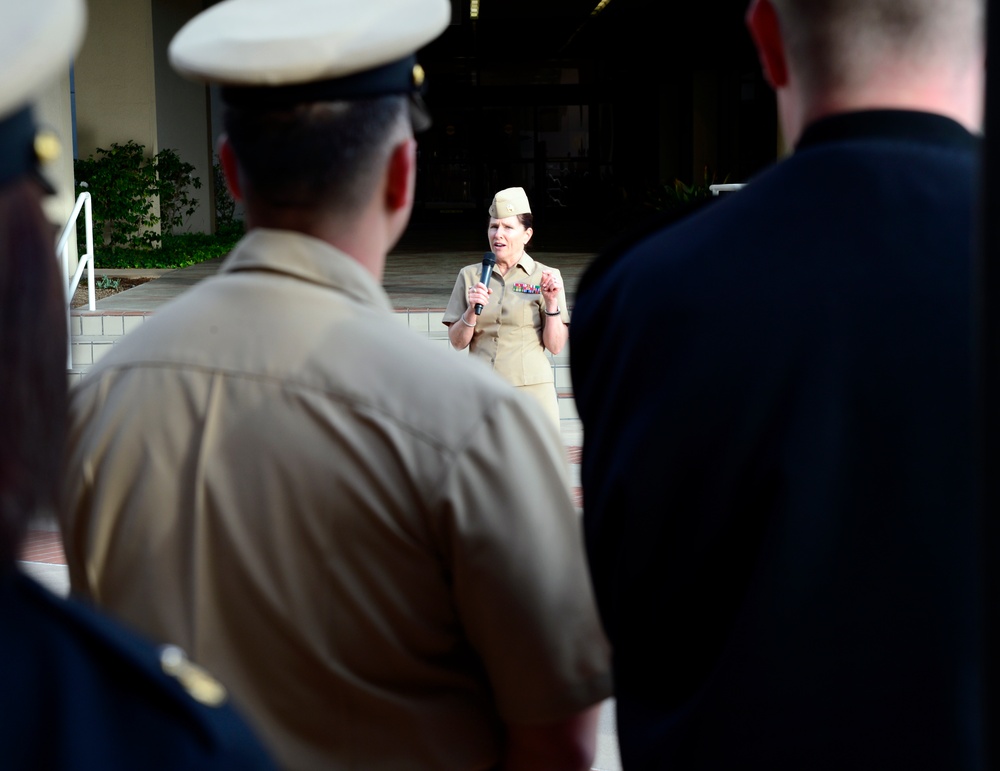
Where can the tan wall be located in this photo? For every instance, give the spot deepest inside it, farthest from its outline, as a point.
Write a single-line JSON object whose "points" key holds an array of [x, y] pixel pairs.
{"points": [[126, 90], [182, 108], [115, 83], [115, 95]]}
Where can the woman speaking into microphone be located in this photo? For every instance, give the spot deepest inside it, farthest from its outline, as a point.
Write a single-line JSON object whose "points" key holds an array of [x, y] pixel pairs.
{"points": [[510, 319]]}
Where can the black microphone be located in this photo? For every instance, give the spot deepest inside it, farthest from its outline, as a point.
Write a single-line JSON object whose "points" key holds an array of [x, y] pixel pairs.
{"points": [[489, 260]]}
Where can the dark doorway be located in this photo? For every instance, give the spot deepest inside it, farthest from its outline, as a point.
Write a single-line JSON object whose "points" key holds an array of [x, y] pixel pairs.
{"points": [[592, 111]]}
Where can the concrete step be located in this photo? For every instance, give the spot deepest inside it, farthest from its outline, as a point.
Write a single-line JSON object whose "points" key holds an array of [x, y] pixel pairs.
{"points": [[106, 323], [95, 332]]}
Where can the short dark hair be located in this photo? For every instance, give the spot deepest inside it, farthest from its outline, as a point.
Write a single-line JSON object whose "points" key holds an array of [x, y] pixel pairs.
{"points": [[824, 37], [33, 389], [316, 155], [526, 219]]}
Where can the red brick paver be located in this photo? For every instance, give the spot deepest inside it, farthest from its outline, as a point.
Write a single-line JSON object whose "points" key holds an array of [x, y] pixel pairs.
{"points": [[43, 546]]}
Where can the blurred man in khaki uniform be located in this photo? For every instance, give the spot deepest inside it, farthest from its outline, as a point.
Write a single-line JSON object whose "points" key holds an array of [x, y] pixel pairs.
{"points": [[369, 540], [79, 691]]}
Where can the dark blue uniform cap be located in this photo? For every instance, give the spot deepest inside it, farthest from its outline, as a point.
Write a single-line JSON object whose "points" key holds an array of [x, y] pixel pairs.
{"points": [[404, 76], [271, 56], [18, 154]]}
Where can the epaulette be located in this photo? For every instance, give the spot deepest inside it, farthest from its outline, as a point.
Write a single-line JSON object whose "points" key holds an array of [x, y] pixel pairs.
{"points": [[122, 702]]}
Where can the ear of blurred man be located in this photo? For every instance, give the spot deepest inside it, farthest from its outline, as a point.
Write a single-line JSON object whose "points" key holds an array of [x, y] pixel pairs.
{"points": [[230, 168], [399, 184], [765, 29]]}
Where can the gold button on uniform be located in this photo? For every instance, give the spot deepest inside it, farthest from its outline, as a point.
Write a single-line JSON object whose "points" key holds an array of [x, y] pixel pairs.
{"points": [[199, 684], [47, 146]]}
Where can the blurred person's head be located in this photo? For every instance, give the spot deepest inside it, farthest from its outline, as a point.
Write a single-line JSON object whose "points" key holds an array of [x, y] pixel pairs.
{"points": [[323, 158], [829, 56], [321, 103], [33, 387], [37, 41]]}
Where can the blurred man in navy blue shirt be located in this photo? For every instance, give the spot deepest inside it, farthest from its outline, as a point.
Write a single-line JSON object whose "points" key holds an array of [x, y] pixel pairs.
{"points": [[777, 467]]}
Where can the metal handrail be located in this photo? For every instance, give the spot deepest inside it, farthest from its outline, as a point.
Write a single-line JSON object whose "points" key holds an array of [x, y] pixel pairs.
{"points": [[727, 188], [86, 262]]}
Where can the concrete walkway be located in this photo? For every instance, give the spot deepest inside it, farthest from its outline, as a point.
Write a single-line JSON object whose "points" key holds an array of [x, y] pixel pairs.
{"points": [[413, 279]]}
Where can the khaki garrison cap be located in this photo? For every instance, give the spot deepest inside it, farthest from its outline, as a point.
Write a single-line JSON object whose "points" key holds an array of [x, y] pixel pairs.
{"points": [[510, 202], [273, 55], [38, 40]]}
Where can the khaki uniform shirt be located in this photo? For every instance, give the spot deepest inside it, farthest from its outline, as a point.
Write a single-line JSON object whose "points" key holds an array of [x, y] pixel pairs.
{"points": [[369, 541], [508, 334]]}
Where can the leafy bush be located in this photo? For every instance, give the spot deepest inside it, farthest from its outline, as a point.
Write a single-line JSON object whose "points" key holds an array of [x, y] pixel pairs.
{"points": [[682, 197], [176, 180], [124, 182], [225, 206], [177, 251], [107, 282]]}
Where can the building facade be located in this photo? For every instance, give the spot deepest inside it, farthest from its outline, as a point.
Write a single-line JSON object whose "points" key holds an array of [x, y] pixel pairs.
{"points": [[588, 105]]}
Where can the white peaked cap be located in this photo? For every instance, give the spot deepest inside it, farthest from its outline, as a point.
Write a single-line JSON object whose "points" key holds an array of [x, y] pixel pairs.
{"points": [[272, 43], [38, 39]]}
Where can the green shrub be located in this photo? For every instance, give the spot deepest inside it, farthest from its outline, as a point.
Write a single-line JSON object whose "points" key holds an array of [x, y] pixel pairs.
{"points": [[176, 251], [107, 282], [225, 206], [680, 196], [175, 180], [124, 183]]}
